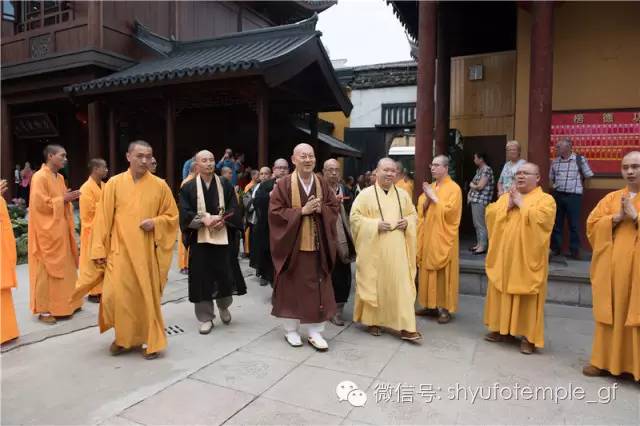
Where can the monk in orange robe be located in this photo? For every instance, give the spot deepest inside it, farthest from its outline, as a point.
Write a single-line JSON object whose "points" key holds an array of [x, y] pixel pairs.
{"points": [[53, 253], [183, 252], [8, 280], [402, 180], [613, 230], [439, 211], [136, 254], [519, 225], [90, 194]]}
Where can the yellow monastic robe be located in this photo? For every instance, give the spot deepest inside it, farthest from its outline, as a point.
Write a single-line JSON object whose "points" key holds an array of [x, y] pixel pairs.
{"points": [[517, 265], [183, 252], [53, 253], [8, 280], [385, 265], [615, 284], [91, 193], [407, 185], [138, 262], [438, 252]]}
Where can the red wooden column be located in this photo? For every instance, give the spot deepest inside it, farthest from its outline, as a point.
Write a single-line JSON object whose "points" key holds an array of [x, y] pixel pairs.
{"points": [[96, 143], [7, 165], [540, 87], [426, 82], [113, 141], [443, 84], [170, 174], [262, 109]]}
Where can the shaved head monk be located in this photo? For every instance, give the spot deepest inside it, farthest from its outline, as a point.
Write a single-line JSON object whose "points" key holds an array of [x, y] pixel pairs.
{"points": [[520, 225], [53, 251], [439, 212], [209, 220], [90, 195], [614, 233], [8, 279], [260, 256], [383, 222], [302, 222], [134, 236]]}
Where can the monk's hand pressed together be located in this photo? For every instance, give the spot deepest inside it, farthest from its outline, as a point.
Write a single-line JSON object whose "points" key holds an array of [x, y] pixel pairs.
{"points": [[429, 192], [516, 196], [629, 208], [384, 226], [208, 220], [312, 206], [218, 223], [402, 224], [147, 225], [3, 186], [71, 195]]}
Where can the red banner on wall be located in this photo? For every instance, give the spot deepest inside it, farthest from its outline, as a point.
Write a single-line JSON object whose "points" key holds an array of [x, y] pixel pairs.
{"points": [[603, 137]]}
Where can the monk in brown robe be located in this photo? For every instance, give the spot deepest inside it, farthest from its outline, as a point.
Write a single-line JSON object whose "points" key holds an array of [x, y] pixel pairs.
{"points": [[302, 223]]}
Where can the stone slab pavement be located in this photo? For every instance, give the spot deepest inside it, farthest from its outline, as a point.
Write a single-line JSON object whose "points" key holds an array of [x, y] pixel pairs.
{"points": [[245, 373]]}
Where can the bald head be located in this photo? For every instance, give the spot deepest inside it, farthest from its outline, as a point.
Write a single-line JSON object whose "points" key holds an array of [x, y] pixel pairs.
{"points": [[280, 168], [440, 167], [226, 173], [205, 162], [265, 174], [386, 172], [527, 178], [331, 172], [630, 169], [304, 159]]}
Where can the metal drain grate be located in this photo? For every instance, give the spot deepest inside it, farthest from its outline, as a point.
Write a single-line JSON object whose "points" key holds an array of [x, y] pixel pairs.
{"points": [[173, 330]]}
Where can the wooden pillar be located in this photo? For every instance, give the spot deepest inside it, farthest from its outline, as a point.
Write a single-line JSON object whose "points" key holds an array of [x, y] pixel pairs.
{"points": [[94, 24], [170, 142], [313, 131], [7, 165], [443, 84], [96, 143], [541, 87], [426, 82], [113, 141], [262, 109]]}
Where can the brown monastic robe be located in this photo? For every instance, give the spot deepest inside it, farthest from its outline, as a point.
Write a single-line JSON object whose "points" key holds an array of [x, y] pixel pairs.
{"points": [[302, 284]]}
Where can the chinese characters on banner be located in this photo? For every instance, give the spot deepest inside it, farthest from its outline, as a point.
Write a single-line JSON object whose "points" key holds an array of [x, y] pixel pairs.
{"points": [[603, 137]]}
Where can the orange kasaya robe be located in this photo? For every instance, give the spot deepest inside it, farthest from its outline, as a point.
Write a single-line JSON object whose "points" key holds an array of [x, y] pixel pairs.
{"points": [[137, 262], [517, 265], [8, 280], [53, 253], [615, 284], [438, 256], [247, 232], [90, 196], [183, 252], [407, 185]]}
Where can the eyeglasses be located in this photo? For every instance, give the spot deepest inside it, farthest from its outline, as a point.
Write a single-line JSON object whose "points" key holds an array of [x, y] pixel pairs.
{"points": [[521, 173]]}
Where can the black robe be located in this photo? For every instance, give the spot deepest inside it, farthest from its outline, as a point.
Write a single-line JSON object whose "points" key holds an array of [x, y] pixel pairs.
{"points": [[260, 251], [214, 271]]}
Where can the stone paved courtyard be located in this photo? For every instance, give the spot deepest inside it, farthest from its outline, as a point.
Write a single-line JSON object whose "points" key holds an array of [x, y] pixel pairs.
{"points": [[245, 373]]}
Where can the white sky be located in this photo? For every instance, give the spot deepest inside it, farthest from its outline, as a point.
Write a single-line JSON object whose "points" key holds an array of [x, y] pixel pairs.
{"points": [[363, 32]]}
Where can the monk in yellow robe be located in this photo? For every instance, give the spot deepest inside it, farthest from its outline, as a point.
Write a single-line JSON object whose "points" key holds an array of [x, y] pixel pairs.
{"points": [[439, 210], [183, 252], [614, 233], [519, 225], [53, 253], [383, 225], [8, 280], [137, 253], [90, 194], [402, 180]]}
